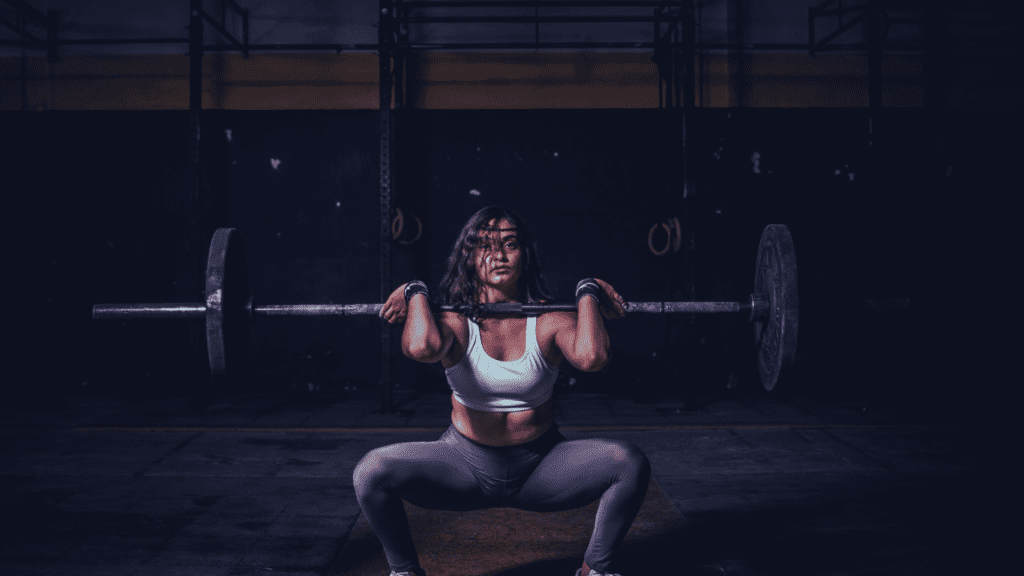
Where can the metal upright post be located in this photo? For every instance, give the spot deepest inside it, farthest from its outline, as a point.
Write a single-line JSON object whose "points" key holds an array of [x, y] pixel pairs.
{"points": [[658, 59], [675, 62], [936, 64], [688, 50], [192, 249], [195, 109], [398, 80], [811, 15], [20, 20], [386, 42], [688, 53], [874, 38], [245, 33], [52, 23]]}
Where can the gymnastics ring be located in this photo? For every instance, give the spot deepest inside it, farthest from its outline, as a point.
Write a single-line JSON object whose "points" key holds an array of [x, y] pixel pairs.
{"points": [[419, 231], [650, 239], [399, 222], [678, 242]]}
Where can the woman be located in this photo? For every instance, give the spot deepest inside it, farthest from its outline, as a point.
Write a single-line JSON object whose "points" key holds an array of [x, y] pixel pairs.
{"points": [[503, 448]]}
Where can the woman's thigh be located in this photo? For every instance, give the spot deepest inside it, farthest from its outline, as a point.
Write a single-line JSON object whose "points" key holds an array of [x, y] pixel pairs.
{"points": [[430, 475], [577, 472]]}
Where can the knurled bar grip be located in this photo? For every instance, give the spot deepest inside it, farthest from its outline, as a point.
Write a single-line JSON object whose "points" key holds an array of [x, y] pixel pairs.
{"points": [[196, 310]]}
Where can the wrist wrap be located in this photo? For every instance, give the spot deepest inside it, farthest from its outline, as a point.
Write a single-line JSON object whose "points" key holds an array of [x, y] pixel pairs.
{"points": [[587, 287], [415, 287]]}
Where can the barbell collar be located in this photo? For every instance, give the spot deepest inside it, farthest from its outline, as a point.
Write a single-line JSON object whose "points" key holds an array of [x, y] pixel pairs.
{"points": [[758, 307]]}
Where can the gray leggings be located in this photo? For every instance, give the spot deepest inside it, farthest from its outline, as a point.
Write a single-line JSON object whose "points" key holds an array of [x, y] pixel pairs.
{"points": [[545, 475]]}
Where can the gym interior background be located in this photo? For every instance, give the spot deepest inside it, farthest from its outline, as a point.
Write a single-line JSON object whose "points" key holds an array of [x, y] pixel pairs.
{"points": [[896, 181], [902, 199]]}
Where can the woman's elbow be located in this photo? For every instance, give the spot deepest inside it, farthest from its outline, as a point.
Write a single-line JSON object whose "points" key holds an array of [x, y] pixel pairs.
{"points": [[422, 352], [593, 363]]}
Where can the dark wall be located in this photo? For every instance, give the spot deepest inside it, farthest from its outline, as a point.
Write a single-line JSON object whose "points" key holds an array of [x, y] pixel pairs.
{"points": [[96, 213], [914, 206]]}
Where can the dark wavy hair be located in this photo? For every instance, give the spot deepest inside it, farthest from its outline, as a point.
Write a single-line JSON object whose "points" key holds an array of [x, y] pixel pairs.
{"points": [[459, 284]]}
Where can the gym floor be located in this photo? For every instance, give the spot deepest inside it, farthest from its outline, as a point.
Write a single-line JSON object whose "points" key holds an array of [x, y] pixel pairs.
{"points": [[261, 483]]}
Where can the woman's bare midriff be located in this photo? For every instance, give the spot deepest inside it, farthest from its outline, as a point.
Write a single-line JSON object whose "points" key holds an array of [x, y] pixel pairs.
{"points": [[502, 428]]}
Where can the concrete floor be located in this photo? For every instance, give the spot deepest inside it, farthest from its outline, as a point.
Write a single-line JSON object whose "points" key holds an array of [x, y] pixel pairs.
{"points": [[261, 484]]}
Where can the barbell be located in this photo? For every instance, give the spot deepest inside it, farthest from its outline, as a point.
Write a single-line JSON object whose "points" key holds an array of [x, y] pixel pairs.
{"points": [[229, 311]]}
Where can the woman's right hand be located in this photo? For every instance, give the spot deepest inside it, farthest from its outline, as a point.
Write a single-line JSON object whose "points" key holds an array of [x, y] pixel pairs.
{"points": [[395, 308]]}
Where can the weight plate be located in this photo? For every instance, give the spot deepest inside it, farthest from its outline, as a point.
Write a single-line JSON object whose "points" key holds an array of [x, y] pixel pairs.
{"points": [[775, 275], [227, 302]]}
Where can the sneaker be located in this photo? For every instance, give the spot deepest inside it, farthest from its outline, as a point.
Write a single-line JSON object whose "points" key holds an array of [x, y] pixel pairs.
{"points": [[409, 573], [579, 572]]}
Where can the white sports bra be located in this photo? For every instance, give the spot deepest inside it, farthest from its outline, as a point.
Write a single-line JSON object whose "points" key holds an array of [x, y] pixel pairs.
{"points": [[483, 383]]}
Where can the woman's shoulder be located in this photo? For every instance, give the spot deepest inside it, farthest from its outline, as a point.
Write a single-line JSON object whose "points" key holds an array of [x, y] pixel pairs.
{"points": [[453, 320], [555, 320]]}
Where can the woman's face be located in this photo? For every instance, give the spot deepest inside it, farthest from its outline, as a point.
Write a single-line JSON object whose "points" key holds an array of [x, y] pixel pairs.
{"points": [[498, 256]]}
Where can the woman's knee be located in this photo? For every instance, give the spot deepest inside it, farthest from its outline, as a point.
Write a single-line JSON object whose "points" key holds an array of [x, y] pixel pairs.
{"points": [[371, 470], [630, 457]]}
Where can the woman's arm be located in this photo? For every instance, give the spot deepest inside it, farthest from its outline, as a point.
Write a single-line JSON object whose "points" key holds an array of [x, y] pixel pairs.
{"points": [[585, 342], [422, 339]]}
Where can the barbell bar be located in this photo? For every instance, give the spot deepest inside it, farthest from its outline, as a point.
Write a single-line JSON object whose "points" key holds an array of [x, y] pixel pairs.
{"points": [[758, 306], [773, 308]]}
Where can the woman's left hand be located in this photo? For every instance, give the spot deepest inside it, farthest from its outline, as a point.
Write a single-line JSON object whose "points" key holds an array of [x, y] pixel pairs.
{"points": [[395, 309], [614, 306]]}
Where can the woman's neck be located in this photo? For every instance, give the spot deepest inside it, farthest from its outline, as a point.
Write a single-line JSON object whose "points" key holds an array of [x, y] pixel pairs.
{"points": [[493, 295]]}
